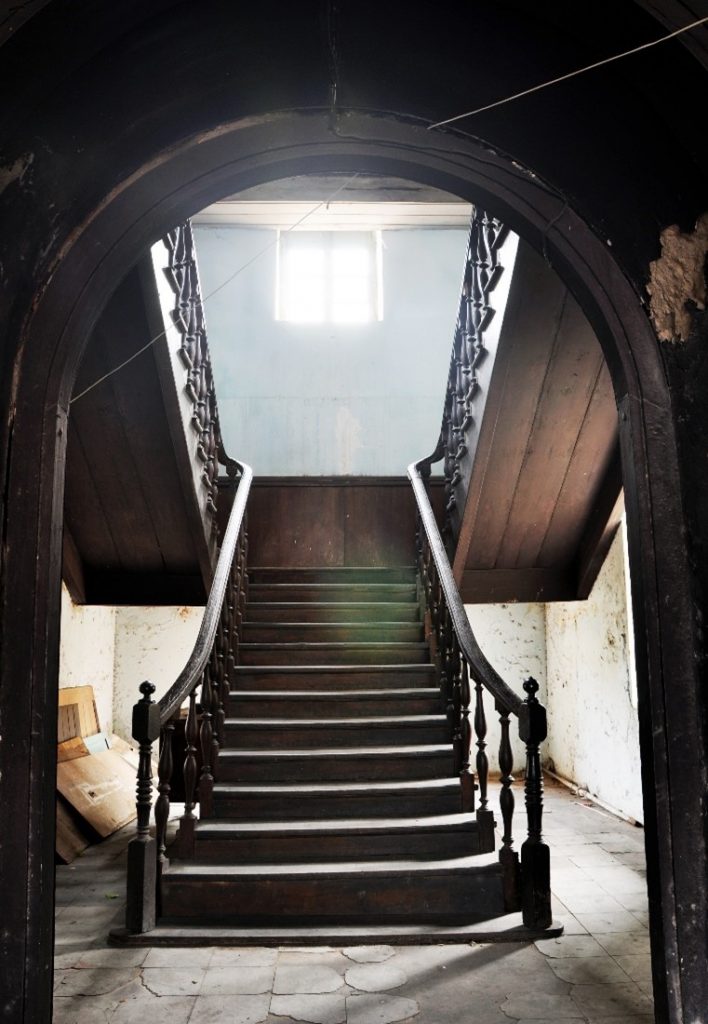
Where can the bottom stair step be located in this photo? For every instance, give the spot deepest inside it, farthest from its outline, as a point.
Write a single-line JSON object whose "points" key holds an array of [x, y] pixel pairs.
{"points": [[177, 933], [443, 890]]}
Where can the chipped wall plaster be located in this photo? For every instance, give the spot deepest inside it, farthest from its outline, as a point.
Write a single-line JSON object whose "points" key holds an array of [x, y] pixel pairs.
{"points": [[154, 644], [678, 278], [86, 652], [593, 726], [513, 637]]}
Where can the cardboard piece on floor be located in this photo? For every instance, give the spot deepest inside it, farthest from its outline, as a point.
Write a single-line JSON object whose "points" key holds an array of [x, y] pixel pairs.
{"points": [[83, 716], [70, 840], [100, 788]]}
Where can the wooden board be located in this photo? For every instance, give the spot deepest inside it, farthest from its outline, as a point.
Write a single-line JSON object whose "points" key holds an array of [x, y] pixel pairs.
{"points": [[100, 788], [69, 750], [70, 839], [82, 698]]}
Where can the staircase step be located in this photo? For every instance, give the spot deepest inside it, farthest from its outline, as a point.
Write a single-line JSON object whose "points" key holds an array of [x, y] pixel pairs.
{"points": [[332, 574], [333, 611], [454, 889], [333, 592], [281, 733], [436, 837], [332, 677], [428, 761], [303, 801], [329, 632], [334, 654], [337, 704]]}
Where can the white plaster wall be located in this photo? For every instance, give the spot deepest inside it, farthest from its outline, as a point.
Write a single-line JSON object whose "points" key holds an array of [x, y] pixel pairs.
{"points": [[513, 638], [153, 644], [593, 723], [86, 652]]}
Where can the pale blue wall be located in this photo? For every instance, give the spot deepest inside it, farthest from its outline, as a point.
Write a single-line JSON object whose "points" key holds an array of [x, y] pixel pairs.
{"points": [[303, 399]]}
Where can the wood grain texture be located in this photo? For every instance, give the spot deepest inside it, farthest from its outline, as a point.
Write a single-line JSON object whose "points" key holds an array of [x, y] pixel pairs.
{"points": [[100, 788]]}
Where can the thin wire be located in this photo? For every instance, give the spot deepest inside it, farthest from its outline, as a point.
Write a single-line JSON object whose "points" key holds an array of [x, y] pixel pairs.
{"points": [[571, 74], [215, 291]]}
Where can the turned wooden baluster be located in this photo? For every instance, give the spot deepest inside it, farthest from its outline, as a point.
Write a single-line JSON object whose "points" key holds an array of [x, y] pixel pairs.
{"points": [[206, 736], [162, 804], [221, 685], [535, 855], [187, 822], [466, 774], [485, 817], [449, 643], [508, 857], [213, 670], [142, 859]]}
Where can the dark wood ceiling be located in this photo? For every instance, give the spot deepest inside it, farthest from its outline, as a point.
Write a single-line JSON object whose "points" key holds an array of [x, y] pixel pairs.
{"points": [[544, 495], [133, 532]]}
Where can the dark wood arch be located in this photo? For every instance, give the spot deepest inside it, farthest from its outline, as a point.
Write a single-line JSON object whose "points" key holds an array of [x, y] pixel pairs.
{"points": [[165, 178]]}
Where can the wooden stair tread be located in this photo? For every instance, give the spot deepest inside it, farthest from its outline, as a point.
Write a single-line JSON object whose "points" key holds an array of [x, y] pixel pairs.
{"points": [[300, 645], [427, 823], [415, 692], [335, 723], [341, 788], [409, 750], [478, 864], [294, 670]]}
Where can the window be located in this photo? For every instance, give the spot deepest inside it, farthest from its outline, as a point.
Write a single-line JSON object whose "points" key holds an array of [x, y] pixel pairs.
{"points": [[329, 277]]}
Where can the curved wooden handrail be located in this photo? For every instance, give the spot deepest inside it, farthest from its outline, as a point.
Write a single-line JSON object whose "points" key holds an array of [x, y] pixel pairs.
{"points": [[196, 663], [480, 667]]}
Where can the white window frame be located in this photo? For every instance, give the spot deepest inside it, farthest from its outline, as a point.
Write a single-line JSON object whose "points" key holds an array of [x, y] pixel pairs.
{"points": [[328, 242]]}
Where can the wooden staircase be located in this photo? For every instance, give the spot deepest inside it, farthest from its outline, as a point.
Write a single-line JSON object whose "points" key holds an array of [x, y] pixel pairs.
{"points": [[336, 802]]}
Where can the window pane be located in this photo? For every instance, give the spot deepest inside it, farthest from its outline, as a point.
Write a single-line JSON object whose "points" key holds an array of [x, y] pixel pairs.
{"points": [[351, 261]]}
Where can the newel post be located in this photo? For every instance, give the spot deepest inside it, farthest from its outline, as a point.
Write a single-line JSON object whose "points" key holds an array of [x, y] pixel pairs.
{"points": [[142, 849], [535, 854]]}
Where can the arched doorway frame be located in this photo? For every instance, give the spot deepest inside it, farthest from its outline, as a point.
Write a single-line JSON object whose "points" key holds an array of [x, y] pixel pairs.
{"points": [[184, 179]]}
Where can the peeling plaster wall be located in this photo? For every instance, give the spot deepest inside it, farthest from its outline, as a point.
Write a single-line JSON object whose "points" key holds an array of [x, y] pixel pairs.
{"points": [[150, 643], [86, 652], [592, 716], [513, 637]]}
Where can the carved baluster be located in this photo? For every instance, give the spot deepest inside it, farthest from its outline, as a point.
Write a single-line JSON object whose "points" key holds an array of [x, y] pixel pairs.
{"points": [[485, 817], [466, 773], [449, 642], [221, 688], [206, 736], [187, 822], [508, 857], [535, 855], [162, 804], [244, 580], [142, 860]]}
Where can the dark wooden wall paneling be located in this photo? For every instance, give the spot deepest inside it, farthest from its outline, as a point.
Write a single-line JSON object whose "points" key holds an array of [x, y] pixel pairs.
{"points": [[334, 521]]}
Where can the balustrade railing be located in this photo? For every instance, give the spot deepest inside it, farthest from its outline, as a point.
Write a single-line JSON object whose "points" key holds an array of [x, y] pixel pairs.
{"points": [[182, 273], [203, 685], [481, 274], [462, 668]]}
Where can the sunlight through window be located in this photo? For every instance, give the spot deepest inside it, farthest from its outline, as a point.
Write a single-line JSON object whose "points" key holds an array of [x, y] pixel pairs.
{"points": [[329, 277]]}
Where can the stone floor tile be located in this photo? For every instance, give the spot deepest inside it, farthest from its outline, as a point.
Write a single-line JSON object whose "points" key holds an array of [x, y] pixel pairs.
{"points": [[164, 956], [315, 979], [597, 902], [372, 1008], [222, 981], [642, 916], [608, 1000], [369, 954], [635, 902], [173, 981], [238, 956], [570, 946], [550, 1020], [592, 970], [637, 966], [541, 1005], [333, 958], [624, 943], [315, 1009], [375, 977], [619, 921], [247, 1009], [640, 1019], [93, 981], [128, 957]]}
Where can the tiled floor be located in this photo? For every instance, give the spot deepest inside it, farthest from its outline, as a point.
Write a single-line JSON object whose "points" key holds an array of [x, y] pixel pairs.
{"points": [[599, 971]]}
